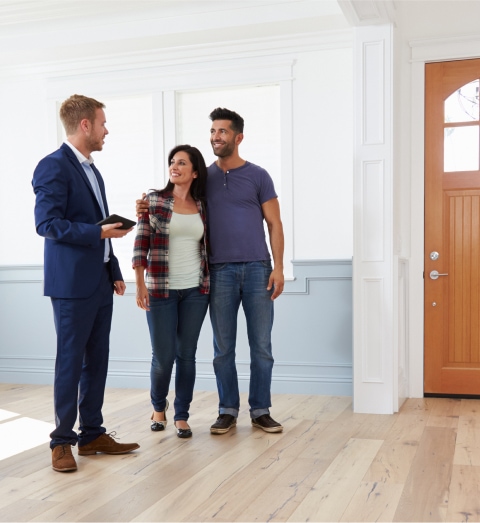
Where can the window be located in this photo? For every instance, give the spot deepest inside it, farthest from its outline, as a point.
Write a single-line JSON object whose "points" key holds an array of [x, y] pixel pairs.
{"points": [[126, 163], [461, 135], [258, 106], [142, 130], [260, 109]]}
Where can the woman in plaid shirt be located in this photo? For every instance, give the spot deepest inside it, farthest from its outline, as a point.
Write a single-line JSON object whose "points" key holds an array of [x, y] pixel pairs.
{"points": [[171, 245]]}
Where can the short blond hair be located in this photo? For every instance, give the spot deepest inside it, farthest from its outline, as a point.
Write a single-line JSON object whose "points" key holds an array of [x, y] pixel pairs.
{"points": [[77, 108]]}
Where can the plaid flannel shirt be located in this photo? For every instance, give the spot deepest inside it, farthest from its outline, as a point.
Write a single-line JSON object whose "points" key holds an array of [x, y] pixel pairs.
{"points": [[151, 245]]}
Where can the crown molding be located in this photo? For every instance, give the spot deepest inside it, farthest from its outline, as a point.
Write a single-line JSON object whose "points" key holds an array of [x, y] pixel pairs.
{"points": [[368, 12], [444, 49], [184, 55]]}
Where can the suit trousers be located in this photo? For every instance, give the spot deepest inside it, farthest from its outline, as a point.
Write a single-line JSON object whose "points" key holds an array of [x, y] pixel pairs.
{"points": [[83, 333]]}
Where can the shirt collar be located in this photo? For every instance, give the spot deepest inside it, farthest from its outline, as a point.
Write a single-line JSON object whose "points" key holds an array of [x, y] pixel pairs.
{"points": [[80, 157]]}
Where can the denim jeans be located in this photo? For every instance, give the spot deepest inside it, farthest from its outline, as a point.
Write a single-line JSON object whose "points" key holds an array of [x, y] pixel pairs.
{"points": [[175, 323], [230, 285]]}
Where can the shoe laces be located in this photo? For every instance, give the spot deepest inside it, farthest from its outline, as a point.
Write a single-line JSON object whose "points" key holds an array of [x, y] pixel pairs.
{"points": [[66, 449], [112, 434]]}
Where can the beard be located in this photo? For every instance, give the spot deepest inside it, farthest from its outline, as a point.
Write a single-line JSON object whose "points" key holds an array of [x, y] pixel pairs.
{"points": [[94, 144], [225, 150]]}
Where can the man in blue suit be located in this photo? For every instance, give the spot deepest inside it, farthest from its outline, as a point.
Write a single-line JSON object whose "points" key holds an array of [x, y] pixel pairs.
{"points": [[81, 273]]}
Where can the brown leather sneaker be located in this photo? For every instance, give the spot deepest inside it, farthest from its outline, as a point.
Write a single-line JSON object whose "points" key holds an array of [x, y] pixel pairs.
{"points": [[105, 443], [62, 459]]}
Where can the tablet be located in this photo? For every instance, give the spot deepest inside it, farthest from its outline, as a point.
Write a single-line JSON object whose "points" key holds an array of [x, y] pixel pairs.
{"points": [[115, 218]]}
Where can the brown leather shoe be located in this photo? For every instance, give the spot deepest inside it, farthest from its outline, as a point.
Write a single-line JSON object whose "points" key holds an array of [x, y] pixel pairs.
{"points": [[62, 459], [105, 443]]}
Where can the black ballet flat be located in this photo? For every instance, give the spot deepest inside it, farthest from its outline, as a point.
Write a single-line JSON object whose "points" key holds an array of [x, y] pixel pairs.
{"points": [[184, 433], [157, 426]]}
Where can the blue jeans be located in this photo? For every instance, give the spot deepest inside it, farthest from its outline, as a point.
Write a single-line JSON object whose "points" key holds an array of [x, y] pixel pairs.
{"points": [[230, 284], [175, 323]]}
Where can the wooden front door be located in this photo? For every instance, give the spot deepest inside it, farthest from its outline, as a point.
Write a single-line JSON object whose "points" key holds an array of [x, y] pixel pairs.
{"points": [[452, 228]]}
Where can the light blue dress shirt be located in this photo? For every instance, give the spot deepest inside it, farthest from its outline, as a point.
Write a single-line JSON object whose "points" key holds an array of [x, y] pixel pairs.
{"points": [[86, 164]]}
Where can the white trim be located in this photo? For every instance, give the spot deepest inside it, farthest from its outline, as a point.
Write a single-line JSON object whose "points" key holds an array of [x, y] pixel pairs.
{"points": [[263, 48], [287, 169], [374, 349], [162, 85], [445, 49]]}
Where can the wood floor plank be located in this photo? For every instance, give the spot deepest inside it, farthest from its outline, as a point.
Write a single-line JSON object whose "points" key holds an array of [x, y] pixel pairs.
{"points": [[282, 497], [167, 463], [470, 408], [425, 496], [421, 464], [23, 509], [321, 408], [375, 501], [375, 426], [444, 412], [228, 502], [77, 503], [288, 490], [332, 493], [393, 462], [26, 463], [464, 500], [467, 447], [204, 483]]}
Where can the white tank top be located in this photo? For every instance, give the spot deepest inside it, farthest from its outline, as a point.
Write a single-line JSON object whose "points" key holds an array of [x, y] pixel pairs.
{"points": [[186, 231]]}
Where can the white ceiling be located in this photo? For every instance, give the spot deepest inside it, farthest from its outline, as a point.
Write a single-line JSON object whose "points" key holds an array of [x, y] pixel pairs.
{"points": [[37, 31], [46, 31], [14, 12]]}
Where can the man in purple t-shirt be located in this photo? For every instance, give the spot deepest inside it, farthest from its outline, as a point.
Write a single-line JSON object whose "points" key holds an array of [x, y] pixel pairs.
{"points": [[240, 195]]}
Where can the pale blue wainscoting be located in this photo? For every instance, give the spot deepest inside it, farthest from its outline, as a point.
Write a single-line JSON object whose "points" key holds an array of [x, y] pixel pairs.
{"points": [[312, 338]]}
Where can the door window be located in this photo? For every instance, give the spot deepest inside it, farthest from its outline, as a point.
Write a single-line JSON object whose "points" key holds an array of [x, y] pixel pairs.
{"points": [[461, 134]]}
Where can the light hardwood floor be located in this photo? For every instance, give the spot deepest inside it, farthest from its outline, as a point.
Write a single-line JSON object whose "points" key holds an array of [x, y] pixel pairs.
{"points": [[329, 464]]}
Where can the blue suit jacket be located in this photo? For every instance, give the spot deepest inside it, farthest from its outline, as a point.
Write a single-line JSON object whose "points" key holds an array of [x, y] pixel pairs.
{"points": [[66, 211]]}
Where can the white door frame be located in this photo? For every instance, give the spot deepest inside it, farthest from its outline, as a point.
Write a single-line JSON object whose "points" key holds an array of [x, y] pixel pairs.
{"points": [[424, 51]]}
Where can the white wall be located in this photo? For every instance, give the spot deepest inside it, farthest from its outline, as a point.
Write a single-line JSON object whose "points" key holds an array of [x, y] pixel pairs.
{"points": [[24, 139], [312, 333], [321, 147], [323, 138]]}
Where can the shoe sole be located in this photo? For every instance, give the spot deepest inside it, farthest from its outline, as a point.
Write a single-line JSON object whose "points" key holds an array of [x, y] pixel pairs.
{"points": [[222, 431], [268, 429], [69, 469], [92, 452], [184, 436]]}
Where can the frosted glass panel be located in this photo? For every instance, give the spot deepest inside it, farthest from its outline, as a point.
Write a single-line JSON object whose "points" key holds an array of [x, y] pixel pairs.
{"points": [[461, 149], [126, 164], [462, 105], [258, 106]]}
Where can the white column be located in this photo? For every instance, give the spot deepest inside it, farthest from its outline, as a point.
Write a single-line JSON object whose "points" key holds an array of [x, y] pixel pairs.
{"points": [[373, 276]]}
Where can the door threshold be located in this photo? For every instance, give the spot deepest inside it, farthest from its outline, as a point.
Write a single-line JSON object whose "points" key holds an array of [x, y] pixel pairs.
{"points": [[453, 396]]}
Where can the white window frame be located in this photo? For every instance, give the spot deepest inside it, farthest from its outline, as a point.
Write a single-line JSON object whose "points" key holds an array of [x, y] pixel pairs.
{"points": [[163, 82]]}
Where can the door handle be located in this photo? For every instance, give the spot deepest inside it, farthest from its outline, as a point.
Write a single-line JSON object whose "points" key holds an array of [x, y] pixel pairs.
{"points": [[435, 274]]}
